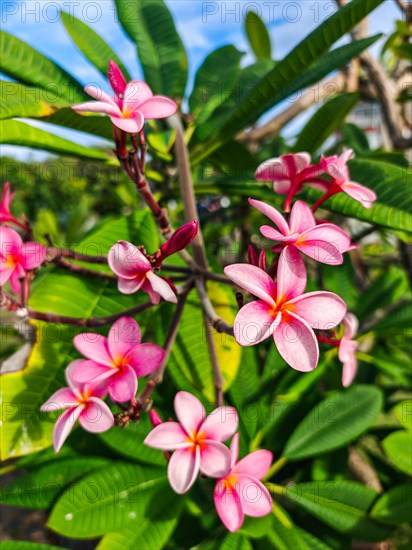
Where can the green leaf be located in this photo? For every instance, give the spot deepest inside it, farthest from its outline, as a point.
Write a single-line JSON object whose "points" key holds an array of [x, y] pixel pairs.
{"points": [[354, 137], [395, 506], [398, 448], [325, 122], [258, 36], [400, 317], [91, 44], [335, 421], [13, 132], [340, 504], [161, 52], [83, 122], [108, 500], [235, 541], [17, 100], [403, 413], [26, 545], [28, 66], [39, 488], [153, 530], [214, 79]]}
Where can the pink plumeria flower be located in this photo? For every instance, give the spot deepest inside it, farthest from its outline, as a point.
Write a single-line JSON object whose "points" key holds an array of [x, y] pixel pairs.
{"points": [[16, 257], [83, 402], [284, 311], [347, 349], [289, 172], [134, 272], [240, 493], [337, 168], [131, 105], [117, 360], [325, 242], [196, 441]]}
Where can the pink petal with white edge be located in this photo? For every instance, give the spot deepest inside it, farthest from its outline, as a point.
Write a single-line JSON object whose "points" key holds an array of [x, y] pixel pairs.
{"points": [[281, 187], [168, 436], [10, 241], [325, 243], [96, 417], [98, 107], [255, 498], [321, 310], [94, 347], [64, 425], [291, 275], [130, 286], [360, 193], [90, 371], [33, 255], [347, 356], [129, 125], [99, 95], [254, 280], [123, 385], [135, 94], [183, 469], [160, 286], [124, 334], [297, 344], [189, 411], [153, 295], [158, 107], [255, 322], [255, 464], [301, 217], [214, 459], [350, 324], [68, 373], [61, 399], [5, 273], [271, 170], [145, 358], [273, 235], [271, 212], [228, 506], [126, 260], [220, 424], [15, 283]]}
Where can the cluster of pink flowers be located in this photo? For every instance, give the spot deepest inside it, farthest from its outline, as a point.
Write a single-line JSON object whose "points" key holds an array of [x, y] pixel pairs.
{"points": [[111, 366], [17, 258], [197, 441]]}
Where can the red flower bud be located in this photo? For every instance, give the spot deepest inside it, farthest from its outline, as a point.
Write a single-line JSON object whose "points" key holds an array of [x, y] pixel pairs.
{"points": [[180, 239], [155, 418], [116, 79], [262, 260], [252, 256]]}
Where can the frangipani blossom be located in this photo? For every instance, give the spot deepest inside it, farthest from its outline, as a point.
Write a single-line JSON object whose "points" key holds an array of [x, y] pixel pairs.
{"points": [[196, 441], [130, 106], [289, 172], [240, 493], [134, 272], [16, 257], [83, 402], [283, 311], [117, 360], [325, 242], [336, 167], [347, 349]]}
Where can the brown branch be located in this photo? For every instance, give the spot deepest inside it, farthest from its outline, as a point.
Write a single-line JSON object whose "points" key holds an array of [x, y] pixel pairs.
{"points": [[217, 374], [363, 471], [215, 321], [55, 253], [206, 274], [84, 270]]}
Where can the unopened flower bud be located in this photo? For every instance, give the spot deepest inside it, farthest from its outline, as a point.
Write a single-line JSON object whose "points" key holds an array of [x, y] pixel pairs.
{"points": [[180, 239], [116, 79], [252, 256], [155, 418]]}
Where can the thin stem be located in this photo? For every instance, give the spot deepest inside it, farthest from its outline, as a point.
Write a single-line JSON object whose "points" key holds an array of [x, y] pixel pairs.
{"points": [[217, 374], [276, 466], [85, 271], [275, 489], [217, 322], [54, 253], [280, 514], [206, 274]]}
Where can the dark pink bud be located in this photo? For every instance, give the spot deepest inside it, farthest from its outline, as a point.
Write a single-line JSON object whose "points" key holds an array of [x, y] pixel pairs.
{"points": [[180, 239], [262, 260], [155, 418], [116, 79], [252, 256]]}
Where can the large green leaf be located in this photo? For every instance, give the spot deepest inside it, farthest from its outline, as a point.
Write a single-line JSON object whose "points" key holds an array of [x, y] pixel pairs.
{"points": [[83, 122], [398, 448], [258, 36], [325, 122], [340, 504], [39, 488], [26, 545], [400, 317], [13, 132], [17, 100], [161, 52], [28, 66], [334, 422], [91, 44], [108, 500], [395, 506]]}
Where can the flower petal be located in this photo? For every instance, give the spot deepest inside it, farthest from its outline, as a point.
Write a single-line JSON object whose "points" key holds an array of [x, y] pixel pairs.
{"points": [[271, 212], [220, 424], [61, 399], [360, 193], [291, 274], [301, 217], [214, 459], [272, 234], [255, 498], [295, 163], [10, 242], [5, 273], [129, 125], [254, 280], [158, 107], [347, 356], [64, 426], [123, 385], [271, 170], [94, 347], [33, 254], [99, 95], [160, 286], [98, 107], [145, 358], [130, 286], [234, 450], [183, 469], [189, 411], [254, 323], [321, 310], [123, 336], [297, 343], [350, 324], [126, 260], [228, 506], [135, 94], [168, 436], [255, 464], [96, 417], [90, 371]]}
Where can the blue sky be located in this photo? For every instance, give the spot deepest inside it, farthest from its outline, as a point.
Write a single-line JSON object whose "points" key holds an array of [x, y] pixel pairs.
{"points": [[203, 26]]}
